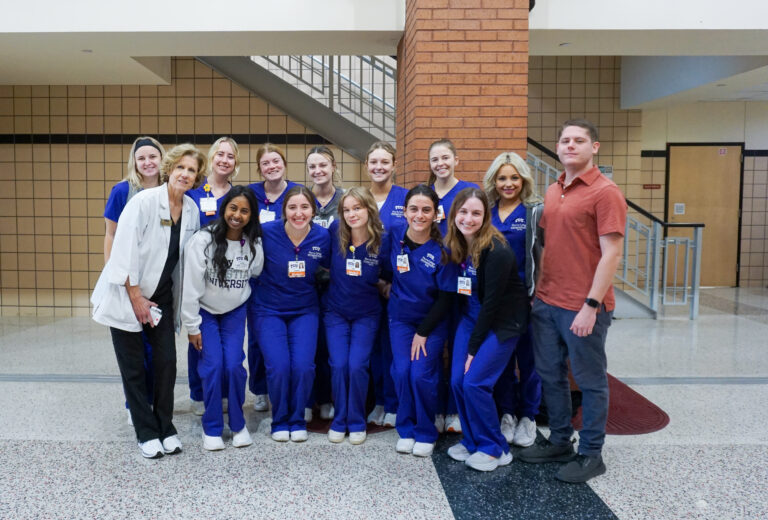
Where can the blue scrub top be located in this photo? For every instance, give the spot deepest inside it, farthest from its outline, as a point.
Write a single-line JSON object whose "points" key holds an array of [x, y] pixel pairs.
{"points": [[447, 201], [117, 200], [393, 210], [413, 292], [355, 296], [200, 193], [513, 229], [271, 205], [278, 295], [470, 305]]}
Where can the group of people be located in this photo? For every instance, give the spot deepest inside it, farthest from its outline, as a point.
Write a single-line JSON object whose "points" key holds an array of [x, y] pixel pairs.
{"points": [[440, 294]]}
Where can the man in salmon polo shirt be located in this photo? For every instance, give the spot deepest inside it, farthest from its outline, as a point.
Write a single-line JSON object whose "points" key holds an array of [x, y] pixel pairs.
{"points": [[583, 224]]}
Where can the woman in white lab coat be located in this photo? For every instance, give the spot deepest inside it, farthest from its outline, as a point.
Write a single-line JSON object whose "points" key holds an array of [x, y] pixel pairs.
{"points": [[140, 288]]}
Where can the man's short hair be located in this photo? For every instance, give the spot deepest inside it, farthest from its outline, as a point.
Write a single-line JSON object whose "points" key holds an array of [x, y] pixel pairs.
{"points": [[582, 123]]}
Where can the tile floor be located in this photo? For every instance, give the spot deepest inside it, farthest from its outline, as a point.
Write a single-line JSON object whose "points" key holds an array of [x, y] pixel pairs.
{"points": [[66, 451]]}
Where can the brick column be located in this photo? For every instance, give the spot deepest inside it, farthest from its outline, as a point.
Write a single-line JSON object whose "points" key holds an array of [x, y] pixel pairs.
{"points": [[462, 74]]}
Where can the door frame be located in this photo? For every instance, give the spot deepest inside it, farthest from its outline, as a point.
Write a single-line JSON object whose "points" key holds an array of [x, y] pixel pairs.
{"points": [[741, 191]]}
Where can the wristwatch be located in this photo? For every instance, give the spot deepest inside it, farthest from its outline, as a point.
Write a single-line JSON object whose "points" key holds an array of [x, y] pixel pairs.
{"points": [[592, 303]]}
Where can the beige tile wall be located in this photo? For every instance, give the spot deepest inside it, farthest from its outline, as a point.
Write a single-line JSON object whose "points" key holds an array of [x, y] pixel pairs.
{"points": [[754, 224], [52, 196]]}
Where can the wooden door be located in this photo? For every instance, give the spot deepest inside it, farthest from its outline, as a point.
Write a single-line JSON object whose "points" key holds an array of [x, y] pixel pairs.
{"points": [[704, 185]]}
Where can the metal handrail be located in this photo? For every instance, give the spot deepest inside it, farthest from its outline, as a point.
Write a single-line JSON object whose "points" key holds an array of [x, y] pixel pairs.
{"points": [[648, 254]]}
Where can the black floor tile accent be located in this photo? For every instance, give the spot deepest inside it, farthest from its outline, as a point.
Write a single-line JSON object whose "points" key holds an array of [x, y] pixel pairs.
{"points": [[518, 491]]}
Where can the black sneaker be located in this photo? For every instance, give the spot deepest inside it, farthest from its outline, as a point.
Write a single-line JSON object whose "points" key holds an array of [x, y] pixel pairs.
{"points": [[581, 469], [545, 451]]}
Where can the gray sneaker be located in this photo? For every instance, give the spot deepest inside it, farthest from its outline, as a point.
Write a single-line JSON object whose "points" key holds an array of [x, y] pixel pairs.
{"points": [[581, 469], [545, 451]]}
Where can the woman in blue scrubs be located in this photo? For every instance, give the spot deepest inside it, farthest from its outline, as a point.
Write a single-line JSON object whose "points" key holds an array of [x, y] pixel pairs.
{"points": [[270, 193], [515, 211], [390, 201], [352, 308], [443, 161], [287, 309], [494, 313], [420, 299], [223, 166]]}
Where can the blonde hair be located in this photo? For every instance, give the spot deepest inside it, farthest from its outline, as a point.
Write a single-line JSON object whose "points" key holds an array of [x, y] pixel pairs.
{"points": [[440, 142], [374, 226], [528, 194], [214, 149], [173, 157], [134, 177], [328, 154], [455, 241], [265, 149]]}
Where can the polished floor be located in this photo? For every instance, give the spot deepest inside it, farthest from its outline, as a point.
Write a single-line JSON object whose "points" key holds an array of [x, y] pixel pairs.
{"points": [[67, 452]]}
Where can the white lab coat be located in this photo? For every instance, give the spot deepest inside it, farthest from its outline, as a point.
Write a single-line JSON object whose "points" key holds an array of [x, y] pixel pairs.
{"points": [[139, 252]]}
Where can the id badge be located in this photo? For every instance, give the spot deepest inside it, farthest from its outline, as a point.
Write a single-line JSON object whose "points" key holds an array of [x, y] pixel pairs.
{"points": [[296, 269], [464, 286], [208, 205], [402, 264], [266, 216], [354, 267], [440, 213], [240, 263]]}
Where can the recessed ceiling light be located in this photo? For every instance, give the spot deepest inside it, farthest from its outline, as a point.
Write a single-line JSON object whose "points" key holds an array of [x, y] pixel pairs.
{"points": [[721, 85], [88, 51], [564, 44]]}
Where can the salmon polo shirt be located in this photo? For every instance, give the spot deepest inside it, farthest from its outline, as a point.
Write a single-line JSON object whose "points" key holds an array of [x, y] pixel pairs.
{"points": [[574, 218]]}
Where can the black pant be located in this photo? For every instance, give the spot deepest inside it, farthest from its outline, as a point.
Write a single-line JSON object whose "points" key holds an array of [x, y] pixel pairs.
{"points": [[150, 421]]}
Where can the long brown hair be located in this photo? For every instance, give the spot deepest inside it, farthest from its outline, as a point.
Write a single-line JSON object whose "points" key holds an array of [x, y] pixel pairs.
{"points": [[300, 189], [440, 142], [374, 226], [455, 240]]}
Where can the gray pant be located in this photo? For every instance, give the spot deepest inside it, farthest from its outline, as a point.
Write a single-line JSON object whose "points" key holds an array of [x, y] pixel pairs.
{"points": [[554, 345]]}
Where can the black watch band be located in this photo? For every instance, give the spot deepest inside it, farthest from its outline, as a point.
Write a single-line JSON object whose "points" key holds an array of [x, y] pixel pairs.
{"points": [[592, 303]]}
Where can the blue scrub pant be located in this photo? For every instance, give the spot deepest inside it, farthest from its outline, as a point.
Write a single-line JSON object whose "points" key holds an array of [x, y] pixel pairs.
{"points": [[288, 344], [350, 343], [381, 365], [520, 397], [196, 392], [222, 358], [416, 381], [474, 390], [321, 389], [554, 345], [147, 369], [447, 404], [257, 382]]}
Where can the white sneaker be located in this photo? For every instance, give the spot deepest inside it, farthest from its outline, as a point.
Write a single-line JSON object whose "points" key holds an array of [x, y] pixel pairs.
{"points": [[299, 435], [423, 449], [326, 411], [130, 419], [357, 437], [508, 425], [152, 449], [242, 438], [307, 414], [281, 436], [212, 443], [525, 433], [260, 403], [335, 436], [440, 423], [198, 407], [377, 415], [171, 445], [484, 462], [389, 420], [505, 459], [459, 452], [224, 405], [453, 424], [405, 445]]}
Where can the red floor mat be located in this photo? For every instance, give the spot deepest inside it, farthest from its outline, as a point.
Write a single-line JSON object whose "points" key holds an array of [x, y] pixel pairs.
{"points": [[629, 413]]}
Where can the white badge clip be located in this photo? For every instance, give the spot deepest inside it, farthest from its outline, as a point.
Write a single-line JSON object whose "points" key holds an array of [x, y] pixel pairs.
{"points": [[464, 286], [266, 216], [402, 264], [208, 205], [240, 263], [354, 267], [296, 269]]}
